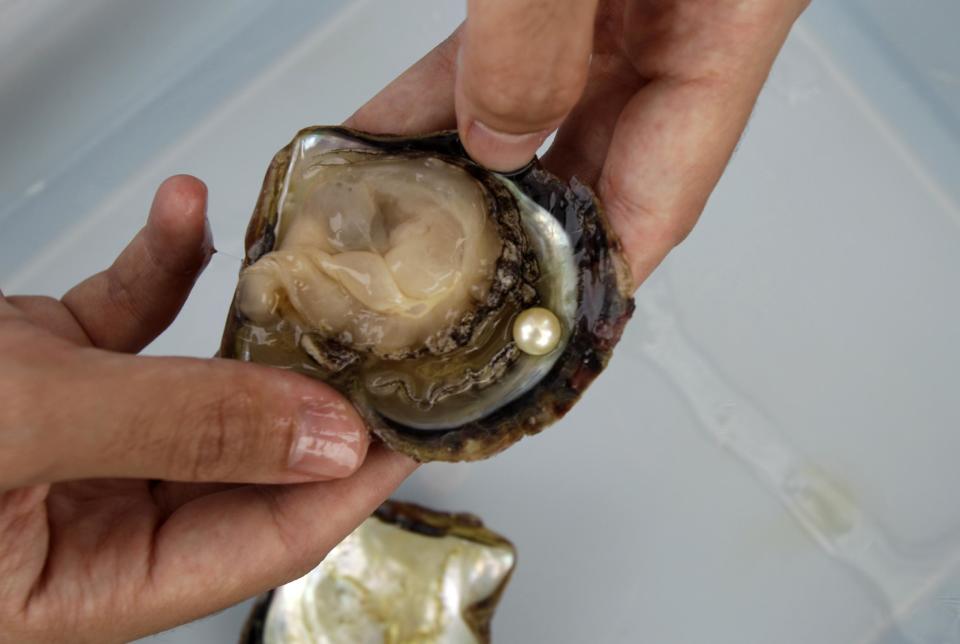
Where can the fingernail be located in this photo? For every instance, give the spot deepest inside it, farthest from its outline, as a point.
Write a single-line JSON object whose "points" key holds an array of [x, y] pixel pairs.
{"points": [[329, 443], [502, 151]]}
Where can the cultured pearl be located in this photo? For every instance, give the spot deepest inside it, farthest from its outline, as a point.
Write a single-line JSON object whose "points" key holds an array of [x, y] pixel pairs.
{"points": [[536, 331]]}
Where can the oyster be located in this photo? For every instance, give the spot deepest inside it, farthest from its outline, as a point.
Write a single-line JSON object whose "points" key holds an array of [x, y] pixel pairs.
{"points": [[407, 574], [457, 308]]}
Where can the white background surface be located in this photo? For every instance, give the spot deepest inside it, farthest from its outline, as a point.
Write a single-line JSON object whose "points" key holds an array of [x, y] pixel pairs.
{"points": [[772, 455]]}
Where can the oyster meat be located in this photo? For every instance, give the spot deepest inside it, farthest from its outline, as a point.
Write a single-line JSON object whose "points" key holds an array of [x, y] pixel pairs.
{"points": [[457, 308], [407, 574]]}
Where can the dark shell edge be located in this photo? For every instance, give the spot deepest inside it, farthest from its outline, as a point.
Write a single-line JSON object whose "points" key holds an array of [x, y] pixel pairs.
{"points": [[604, 301]]}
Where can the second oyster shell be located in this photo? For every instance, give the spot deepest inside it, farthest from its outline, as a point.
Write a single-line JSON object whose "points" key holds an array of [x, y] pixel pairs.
{"points": [[407, 574]]}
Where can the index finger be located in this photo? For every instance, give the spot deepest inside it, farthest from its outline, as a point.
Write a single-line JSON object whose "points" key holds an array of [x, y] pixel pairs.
{"points": [[85, 413]]}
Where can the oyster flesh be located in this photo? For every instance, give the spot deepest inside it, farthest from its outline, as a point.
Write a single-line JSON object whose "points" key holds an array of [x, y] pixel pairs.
{"points": [[457, 308], [407, 574]]}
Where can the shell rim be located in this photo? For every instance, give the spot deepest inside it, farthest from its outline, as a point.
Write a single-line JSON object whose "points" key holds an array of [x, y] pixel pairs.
{"points": [[609, 290]]}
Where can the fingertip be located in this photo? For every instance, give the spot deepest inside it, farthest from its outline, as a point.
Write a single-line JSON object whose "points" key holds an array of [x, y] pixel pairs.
{"points": [[177, 226], [180, 203], [189, 191]]}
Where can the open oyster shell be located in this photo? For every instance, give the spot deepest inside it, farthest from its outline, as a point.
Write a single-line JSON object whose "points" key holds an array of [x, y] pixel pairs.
{"points": [[407, 574], [398, 271]]}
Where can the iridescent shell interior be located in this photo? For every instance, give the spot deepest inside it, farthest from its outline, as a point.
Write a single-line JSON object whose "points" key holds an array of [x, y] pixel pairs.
{"points": [[407, 574]]}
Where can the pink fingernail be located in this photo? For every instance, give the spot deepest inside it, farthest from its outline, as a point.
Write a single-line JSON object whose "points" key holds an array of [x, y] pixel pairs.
{"points": [[329, 442]]}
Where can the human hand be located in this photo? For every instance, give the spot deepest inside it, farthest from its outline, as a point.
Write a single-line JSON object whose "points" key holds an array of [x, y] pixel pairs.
{"points": [[133, 490], [650, 97]]}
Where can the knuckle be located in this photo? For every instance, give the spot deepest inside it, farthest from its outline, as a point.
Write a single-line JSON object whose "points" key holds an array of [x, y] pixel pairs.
{"points": [[446, 55], [209, 458], [124, 298], [223, 436], [14, 392], [25, 381], [15, 427], [665, 226]]}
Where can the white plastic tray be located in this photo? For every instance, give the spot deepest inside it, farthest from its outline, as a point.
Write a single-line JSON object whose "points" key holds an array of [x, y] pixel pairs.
{"points": [[773, 453]]}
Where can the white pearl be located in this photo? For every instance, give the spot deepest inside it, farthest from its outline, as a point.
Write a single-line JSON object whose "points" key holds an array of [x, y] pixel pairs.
{"points": [[537, 331]]}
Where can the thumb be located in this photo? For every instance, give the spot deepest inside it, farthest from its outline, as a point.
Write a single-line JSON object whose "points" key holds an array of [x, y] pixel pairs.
{"points": [[523, 66], [98, 414]]}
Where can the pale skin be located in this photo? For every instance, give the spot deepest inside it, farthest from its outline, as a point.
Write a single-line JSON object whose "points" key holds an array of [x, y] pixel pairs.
{"points": [[138, 493]]}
